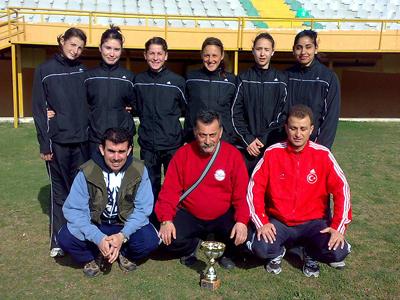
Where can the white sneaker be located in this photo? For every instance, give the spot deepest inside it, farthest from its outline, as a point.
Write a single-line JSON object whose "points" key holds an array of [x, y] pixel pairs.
{"points": [[338, 265], [274, 265], [310, 267], [56, 252]]}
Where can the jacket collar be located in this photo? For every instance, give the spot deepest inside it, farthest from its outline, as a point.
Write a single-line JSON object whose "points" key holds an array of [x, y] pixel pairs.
{"points": [[108, 67], [260, 71], [153, 74], [312, 66], [216, 72], [65, 61], [291, 149]]}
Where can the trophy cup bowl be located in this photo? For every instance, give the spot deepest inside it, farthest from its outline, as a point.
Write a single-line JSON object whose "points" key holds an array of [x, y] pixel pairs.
{"points": [[212, 251]]}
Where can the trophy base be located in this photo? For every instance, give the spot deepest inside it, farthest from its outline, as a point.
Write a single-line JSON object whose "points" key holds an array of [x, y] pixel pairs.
{"points": [[210, 285]]}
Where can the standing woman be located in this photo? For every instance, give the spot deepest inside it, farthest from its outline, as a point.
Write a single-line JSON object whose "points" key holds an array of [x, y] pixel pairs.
{"points": [[314, 85], [109, 90], [210, 88], [58, 87], [160, 100], [259, 109]]}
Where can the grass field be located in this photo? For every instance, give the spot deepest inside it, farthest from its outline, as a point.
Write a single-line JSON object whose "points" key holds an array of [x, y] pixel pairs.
{"points": [[369, 154]]}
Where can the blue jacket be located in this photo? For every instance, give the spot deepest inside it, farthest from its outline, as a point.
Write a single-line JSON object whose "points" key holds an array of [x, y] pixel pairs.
{"points": [[76, 210]]}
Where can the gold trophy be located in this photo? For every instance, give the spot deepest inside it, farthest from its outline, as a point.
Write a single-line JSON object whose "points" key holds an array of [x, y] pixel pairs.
{"points": [[212, 250]]}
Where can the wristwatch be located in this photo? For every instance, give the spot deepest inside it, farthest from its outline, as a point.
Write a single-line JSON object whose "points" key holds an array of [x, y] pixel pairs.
{"points": [[125, 238], [165, 222]]}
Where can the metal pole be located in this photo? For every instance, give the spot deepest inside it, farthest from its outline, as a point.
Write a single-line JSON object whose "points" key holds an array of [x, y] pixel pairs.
{"points": [[19, 82], [236, 63], [14, 85]]}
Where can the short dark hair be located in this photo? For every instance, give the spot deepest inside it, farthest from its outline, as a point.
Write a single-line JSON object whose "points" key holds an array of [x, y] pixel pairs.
{"points": [[70, 33], [313, 35], [207, 117], [300, 111], [117, 136], [156, 41], [113, 33]]}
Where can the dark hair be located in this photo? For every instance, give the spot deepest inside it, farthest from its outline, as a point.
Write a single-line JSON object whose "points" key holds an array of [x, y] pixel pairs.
{"points": [[156, 41], [70, 33], [213, 41], [300, 111], [264, 35], [113, 33], [313, 35], [207, 117], [117, 136]]}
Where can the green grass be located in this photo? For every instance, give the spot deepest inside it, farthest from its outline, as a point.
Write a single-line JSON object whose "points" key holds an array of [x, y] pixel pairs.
{"points": [[369, 154]]}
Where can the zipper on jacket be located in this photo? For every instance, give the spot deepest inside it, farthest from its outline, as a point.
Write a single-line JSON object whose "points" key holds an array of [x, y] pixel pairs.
{"points": [[297, 178]]}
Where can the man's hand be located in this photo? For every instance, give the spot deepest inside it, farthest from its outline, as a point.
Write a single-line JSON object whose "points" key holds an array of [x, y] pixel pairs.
{"points": [[267, 232], [46, 156], [116, 241], [105, 247], [254, 148], [50, 114], [239, 232], [336, 240], [167, 232]]}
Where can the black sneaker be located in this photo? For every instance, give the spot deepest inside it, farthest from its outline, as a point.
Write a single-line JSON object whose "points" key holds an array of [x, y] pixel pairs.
{"points": [[274, 265], [188, 260], [91, 269], [310, 267], [125, 264], [191, 259], [226, 263]]}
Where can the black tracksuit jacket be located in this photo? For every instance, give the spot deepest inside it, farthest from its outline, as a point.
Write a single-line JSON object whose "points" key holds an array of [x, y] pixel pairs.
{"points": [[260, 107], [58, 85], [207, 90], [317, 87], [160, 98], [109, 90]]}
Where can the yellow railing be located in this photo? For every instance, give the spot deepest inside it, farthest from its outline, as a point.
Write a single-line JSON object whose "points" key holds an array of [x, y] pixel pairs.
{"points": [[14, 19]]}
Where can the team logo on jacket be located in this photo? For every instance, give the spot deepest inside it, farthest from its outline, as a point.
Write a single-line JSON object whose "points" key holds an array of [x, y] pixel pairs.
{"points": [[219, 175], [168, 82], [124, 77], [312, 177]]}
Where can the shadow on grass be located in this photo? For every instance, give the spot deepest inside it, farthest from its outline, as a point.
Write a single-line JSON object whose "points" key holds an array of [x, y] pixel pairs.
{"points": [[161, 254], [66, 261], [44, 198]]}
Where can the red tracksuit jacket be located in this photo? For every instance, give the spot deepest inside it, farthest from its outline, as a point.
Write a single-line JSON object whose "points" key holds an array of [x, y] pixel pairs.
{"points": [[224, 185], [293, 187]]}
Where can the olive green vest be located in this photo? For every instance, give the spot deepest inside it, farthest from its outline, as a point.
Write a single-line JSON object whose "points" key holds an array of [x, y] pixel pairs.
{"points": [[98, 191]]}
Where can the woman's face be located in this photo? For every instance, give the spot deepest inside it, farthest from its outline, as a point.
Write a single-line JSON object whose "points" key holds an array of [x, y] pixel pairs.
{"points": [[262, 52], [72, 48], [212, 57], [155, 57], [111, 51], [304, 51]]}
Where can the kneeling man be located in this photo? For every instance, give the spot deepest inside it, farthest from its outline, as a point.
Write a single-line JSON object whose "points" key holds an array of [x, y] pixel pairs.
{"points": [[288, 193], [108, 207], [216, 205]]}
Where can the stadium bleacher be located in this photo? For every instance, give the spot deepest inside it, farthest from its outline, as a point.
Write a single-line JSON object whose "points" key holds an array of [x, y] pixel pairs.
{"points": [[332, 9]]}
